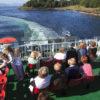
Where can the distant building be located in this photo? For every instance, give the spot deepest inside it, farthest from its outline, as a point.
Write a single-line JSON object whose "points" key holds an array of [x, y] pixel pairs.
{"points": [[62, 0]]}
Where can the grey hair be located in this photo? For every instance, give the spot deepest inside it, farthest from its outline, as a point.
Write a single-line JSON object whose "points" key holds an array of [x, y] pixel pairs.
{"points": [[43, 70]]}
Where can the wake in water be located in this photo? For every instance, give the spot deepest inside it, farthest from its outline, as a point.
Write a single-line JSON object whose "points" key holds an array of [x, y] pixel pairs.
{"points": [[32, 31]]}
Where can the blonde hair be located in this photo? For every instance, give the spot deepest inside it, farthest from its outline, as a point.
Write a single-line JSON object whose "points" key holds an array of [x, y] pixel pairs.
{"points": [[17, 52], [82, 45], [43, 71], [72, 61], [7, 50], [34, 54]]}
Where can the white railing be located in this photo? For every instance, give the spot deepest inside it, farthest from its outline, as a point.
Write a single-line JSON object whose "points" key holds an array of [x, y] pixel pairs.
{"points": [[48, 49]]}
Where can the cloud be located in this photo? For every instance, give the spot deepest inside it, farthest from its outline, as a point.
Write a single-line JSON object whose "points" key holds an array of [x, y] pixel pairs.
{"points": [[14, 2]]}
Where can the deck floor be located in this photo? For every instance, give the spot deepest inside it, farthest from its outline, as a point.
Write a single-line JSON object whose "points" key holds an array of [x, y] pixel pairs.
{"points": [[19, 90]]}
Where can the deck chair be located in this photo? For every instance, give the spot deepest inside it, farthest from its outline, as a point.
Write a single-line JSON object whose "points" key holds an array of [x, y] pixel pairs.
{"points": [[87, 81], [58, 61], [46, 62], [2, 95], [75, 82]]}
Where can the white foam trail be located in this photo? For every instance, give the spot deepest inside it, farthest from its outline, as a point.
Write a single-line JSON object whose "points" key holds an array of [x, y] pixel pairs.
{"points": [[38, 32]]}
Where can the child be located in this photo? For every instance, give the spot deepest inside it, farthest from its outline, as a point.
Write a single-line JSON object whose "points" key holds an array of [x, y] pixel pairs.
{"points": [[86, 67], [40, 82], [18, 66], [4, 63], [32, 61], [59, 79], [73, 71]]}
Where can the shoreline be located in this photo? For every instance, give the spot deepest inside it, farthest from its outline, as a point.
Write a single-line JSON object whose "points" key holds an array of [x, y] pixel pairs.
{"points": [[81, 9], [90, 13]]}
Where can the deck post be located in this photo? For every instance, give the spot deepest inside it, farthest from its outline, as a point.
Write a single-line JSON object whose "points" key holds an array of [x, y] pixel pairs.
{"points": [[53, 46]]}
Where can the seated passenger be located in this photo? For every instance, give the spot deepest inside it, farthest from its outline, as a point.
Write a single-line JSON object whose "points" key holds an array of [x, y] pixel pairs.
{"points": [[42, 81], [60, 56], [58, 79], [32, 61], [73, 71], [86, 67]]}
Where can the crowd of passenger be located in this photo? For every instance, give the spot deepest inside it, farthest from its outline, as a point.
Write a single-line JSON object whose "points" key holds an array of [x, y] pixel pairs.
{"points": [[75, 63]]}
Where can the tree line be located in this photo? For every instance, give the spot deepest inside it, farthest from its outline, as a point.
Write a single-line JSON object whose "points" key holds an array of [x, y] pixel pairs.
{"points": [[61, 3]]}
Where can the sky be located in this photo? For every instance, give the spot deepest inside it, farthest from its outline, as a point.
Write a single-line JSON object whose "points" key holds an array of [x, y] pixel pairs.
{"points": [[13, 2]]}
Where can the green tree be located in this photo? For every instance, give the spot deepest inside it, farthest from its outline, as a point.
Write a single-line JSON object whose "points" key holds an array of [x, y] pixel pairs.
{"points": [[90, 3], [61, 3]]}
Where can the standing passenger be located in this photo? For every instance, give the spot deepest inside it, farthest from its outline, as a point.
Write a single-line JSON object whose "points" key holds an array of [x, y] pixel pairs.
{"points": [[82, 51], [18, 66], [92, 51], [10, 53], [72, 53]]}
